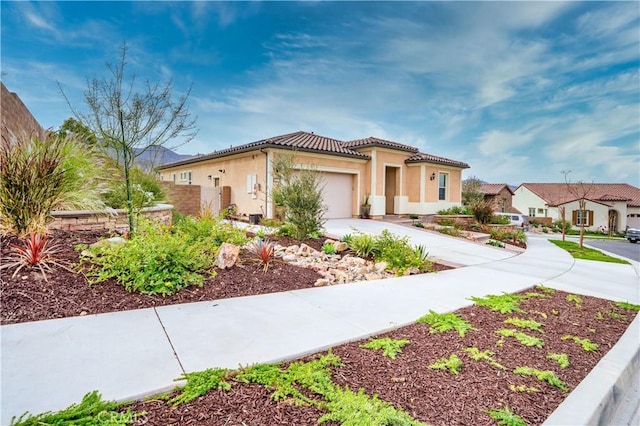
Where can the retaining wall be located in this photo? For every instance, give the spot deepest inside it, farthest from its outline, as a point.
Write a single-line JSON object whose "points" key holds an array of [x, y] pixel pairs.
{"points": [[87, 220]]}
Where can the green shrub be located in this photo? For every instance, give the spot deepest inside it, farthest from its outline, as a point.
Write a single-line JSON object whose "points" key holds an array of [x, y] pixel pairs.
{"points": [[413, 216], [558, 224], [499, 219], [304, 203], [455, 210], [39, 175], [482, 211], [502, 234], [286, 230], [362, 244], [210, 232], [155, 260], [398, 253], [450, 230], [145, 190], [328, 248]]}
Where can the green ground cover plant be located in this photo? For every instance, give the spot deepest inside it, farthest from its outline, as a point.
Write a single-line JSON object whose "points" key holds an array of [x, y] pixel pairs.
{"points": [[390, 347], [486, 355], [441, 323], [505, 417], [586, 253], [575, 299], [504, 303], [523, 338], [628, 306], [561, 359], [525, 323], [544, 376], [201, 382], [587, 345], [523, 388], [359, 409], [88, 412], [544, 289], [453, 364]]}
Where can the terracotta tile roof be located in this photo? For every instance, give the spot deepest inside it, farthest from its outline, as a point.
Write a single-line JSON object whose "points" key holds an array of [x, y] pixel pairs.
{"points": [[310, 142], [494, 188], [421, 157], [301, 141], [371, 141], [558, 193]]}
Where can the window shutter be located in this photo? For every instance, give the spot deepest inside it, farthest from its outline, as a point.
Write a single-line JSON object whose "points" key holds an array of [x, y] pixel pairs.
{"points": [[590, 214], [574, 217]]}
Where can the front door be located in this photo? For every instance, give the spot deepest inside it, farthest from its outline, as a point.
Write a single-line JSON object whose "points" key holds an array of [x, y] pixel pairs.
{"points": [[390, 188]]}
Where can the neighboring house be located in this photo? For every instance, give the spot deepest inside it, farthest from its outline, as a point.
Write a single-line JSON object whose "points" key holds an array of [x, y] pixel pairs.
{"points": [[500, 194], [609, 206], [17, 120], [396, 178]]}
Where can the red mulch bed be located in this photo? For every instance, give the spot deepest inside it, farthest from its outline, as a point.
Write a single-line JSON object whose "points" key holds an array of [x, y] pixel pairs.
{"points": [[28, 297], [433, 396]]}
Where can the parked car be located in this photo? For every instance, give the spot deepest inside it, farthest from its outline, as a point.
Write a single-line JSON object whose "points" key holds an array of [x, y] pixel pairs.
{"points": [[633, 235], [517, 219]]}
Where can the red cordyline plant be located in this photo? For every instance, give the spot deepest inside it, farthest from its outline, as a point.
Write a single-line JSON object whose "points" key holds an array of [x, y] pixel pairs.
{"points": [[264, 249], [34, 252]]}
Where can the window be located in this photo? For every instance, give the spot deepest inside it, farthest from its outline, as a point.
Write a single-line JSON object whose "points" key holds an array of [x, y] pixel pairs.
{"points": [[540, 211], [583, 217], [532, 212], [443, 183], [173, 177], [185, 177]]}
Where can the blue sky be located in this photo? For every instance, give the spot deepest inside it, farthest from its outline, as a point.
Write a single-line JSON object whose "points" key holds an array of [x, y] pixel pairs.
{"points": [[520, 91]]}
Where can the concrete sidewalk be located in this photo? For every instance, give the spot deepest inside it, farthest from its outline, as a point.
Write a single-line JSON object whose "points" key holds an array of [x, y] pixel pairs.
{"points": [[48, 365]]}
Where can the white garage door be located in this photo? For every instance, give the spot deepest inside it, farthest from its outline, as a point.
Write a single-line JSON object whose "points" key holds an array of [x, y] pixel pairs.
{"points": [[337, 194]]}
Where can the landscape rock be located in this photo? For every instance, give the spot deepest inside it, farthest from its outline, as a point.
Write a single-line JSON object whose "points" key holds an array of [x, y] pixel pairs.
{"points": [[321, 282], [340, 246], [227, 255]]}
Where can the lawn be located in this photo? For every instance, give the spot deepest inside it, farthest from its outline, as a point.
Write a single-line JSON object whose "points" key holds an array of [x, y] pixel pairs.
{"points": [[586, 253]]}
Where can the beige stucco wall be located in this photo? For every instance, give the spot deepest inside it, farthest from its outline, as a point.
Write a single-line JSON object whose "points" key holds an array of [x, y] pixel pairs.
{"points": [[414, 188], [230, 171]]}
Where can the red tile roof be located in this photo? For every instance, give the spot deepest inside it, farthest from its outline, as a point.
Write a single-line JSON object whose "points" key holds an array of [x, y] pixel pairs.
{"points": [[422, 157], [371, 141], [558, 193], [494, 188], [310, 142]]}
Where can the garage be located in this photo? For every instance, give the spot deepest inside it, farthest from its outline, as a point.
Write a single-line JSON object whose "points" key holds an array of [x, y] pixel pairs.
{"points": [[337, 194]]}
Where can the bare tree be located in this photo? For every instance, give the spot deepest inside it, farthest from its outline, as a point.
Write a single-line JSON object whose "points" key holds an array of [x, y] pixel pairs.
{"points": [[128, 122], [581, 191]]}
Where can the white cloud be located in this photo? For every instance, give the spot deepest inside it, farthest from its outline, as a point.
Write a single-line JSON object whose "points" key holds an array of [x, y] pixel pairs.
{"points": [[496, 142]]}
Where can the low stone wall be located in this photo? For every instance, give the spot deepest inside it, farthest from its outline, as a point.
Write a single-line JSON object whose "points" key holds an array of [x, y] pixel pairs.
{"points": [[88, 220], [456, 219]]}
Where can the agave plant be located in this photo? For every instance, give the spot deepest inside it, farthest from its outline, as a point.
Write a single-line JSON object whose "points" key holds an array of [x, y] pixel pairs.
{"points": [[34, 252], [264, 250]]}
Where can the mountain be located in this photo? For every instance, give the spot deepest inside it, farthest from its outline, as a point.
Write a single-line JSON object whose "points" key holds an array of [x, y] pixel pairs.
{"points": [[157, 156]]}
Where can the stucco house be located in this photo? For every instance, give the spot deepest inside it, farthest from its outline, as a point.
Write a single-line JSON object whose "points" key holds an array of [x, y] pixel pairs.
{"points": [[609, 206], [396, 178], [500, 194]]}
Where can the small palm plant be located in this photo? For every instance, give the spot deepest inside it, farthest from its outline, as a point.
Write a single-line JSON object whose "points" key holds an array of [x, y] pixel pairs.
{"points": [[34, 252], [264, 250]]}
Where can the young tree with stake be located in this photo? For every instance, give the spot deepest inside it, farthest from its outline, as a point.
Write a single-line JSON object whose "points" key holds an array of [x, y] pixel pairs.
{"points": [[128, 120]]}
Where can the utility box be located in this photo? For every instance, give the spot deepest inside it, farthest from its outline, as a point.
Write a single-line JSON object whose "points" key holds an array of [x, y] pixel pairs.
{"points": [[254, 219]]}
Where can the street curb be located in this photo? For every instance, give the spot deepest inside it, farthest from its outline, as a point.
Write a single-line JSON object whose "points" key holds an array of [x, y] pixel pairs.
{"points": [[597, 399]]}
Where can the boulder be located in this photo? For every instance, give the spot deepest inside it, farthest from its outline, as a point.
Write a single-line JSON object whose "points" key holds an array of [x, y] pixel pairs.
{"points": [[321, 282], [340, 246], [227, 255]]}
